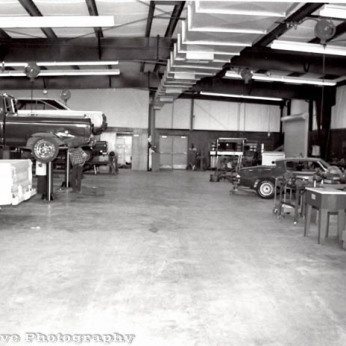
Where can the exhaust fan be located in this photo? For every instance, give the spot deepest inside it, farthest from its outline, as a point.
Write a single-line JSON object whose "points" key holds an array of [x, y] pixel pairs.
{"points": [[31, 70], [324, 30]]}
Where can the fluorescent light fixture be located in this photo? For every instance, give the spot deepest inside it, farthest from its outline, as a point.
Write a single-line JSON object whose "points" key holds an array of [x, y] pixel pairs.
{"points": [[106, 72], [333, 11], [294, 80], [79, 63], [283, 79], [57, 22], [238, 12], [61, 63], [308, 47], [44, 73], [241, 96]]}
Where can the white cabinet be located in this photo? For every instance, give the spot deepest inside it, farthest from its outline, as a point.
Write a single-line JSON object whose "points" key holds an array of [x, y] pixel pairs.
{"points": [[15, 181]]}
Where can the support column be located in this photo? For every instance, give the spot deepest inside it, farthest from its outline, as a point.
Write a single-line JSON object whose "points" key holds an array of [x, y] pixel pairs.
{"points": [[192, 115], [324, 106], [67, 169], [49, 195], [153, 157]]}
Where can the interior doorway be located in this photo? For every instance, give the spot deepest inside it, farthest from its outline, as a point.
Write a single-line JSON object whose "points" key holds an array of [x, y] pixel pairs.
{"points": [[124, 149], [173, 152]]}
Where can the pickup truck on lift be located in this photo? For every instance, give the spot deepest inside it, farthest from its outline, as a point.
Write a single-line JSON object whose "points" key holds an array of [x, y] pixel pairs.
{"points": [[42, 135], [52, 107]]}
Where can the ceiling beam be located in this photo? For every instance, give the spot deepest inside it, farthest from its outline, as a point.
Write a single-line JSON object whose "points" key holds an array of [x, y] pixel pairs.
{"points": [[31, 8], [292, 62], [175, 17], [149, 24], [85, 49], [173, 21], [296, 17], [92, 8]]}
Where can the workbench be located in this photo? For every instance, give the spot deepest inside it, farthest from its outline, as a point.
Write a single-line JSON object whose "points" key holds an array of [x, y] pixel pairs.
{"points": [[327, 200]]}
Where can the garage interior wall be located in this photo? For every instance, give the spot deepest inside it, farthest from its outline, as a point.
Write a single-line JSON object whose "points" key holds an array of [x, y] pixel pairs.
{"points": [[337, 145], [210, 120], [219, 116], [336, 148], [126, 109]]}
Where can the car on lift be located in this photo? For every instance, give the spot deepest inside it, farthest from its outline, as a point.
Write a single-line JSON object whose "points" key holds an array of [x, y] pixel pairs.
{"points": [[50, 107], [262, 178], [43, 136]]}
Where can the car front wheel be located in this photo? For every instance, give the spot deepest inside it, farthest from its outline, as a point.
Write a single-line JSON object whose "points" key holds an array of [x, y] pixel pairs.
{"points": [[45, 149], [266, 189]]}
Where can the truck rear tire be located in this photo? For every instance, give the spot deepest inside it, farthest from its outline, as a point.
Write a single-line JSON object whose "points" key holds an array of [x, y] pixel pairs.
{"points": [[45, 149]]}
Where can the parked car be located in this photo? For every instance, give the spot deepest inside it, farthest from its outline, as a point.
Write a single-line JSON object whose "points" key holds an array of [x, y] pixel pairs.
{"points": [[262, 178], [53, 107], [42, 135]]}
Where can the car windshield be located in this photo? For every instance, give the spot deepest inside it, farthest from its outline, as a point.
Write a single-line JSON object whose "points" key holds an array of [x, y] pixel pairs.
{"points": [[324, 164], [44, 104], [306, 165]]}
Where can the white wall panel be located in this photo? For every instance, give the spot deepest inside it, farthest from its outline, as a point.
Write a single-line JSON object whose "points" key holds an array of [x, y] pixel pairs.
{"points": [[123, 107], [216, 115], [163, 116], [262, 118], [174, 115], [339, 110], [181, 114]]}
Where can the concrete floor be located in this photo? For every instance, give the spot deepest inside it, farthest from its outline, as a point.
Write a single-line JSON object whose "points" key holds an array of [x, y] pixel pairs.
{"points": [[170, 259]]}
